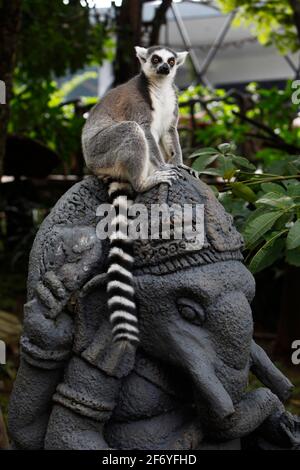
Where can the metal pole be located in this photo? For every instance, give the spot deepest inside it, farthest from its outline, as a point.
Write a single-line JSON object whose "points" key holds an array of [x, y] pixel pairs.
{"points": [[292, 65], [290, 62], [188, 45], [217, 43]]}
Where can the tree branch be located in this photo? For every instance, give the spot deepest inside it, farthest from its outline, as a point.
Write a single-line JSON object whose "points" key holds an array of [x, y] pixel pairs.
{"points": [[128, 21], [158, 20], [279, 145], [259, 125]]}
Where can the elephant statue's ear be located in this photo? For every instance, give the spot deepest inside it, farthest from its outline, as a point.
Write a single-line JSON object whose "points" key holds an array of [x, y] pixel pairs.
{"points": [[114, 358]]}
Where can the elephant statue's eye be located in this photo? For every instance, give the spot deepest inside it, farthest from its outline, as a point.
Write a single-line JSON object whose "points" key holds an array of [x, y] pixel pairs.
{"points": [[191, 311]]}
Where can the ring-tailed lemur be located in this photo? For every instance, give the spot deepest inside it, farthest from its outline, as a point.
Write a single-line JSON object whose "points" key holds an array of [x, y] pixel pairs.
{"points": [[131, 137]]}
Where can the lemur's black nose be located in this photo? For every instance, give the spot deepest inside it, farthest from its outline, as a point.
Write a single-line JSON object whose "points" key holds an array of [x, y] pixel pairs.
{"points": [[164, 69]]}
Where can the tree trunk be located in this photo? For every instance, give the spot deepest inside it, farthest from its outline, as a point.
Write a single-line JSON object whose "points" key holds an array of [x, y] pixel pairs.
{"points": [[158, 20], [10, 16], [295, 4], [129, 26], [130, 32]]}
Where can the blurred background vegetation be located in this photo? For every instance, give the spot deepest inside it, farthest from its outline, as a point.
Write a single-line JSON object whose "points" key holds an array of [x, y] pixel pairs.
{"points": [[242, 136]]}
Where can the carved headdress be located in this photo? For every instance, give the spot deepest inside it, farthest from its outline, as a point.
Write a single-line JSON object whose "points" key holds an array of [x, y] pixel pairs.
{"points": [[221, 240]]}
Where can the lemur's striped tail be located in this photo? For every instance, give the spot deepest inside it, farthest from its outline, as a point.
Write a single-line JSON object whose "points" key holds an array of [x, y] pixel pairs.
{"points": [[120, 286]]}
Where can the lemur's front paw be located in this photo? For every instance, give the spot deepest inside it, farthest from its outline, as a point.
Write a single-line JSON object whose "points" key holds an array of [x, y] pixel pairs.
{"points": [[190, 170], [185, 167], [173, 167], [166, 176]]}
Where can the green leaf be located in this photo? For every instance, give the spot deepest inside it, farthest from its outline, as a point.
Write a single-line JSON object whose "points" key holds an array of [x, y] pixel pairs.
{"points": [[293, 238], [268, 253], [226, 167], [296, 162], [272, 188], [276, 200], [255, 229], [293, 257], [204, 151], [224, 148], [203, 161], [229, 173], [243, 162], [260, 210], [293, 189], [210, 171], [286, 217], [214, 190], [243, 191]]}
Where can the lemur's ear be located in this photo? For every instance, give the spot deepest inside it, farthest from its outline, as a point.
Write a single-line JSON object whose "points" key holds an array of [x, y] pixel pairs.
{"points": [[181, 56], [141, 53]]}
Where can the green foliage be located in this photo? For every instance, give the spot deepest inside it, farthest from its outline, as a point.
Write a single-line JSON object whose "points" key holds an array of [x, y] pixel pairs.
{"points": [[228, 162], [266, 206], [56, 38], [272, 22], [37, 111], [293, 238], [263, 115], [224, 126]]}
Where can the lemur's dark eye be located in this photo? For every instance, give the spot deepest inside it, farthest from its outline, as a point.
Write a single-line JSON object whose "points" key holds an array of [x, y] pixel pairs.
{"points": [[171, 61], [155, 59], [191, 311]]}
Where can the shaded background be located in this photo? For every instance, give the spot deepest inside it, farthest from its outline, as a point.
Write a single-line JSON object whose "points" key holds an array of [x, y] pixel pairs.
{"points": [[57, 58]]}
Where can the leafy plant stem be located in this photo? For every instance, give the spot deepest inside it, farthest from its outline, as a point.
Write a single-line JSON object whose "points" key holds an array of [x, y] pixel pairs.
{"points": [[266, 180]]}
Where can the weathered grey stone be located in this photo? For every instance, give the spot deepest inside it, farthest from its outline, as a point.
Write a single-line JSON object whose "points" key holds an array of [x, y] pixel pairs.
{"points": [[185, 385]]}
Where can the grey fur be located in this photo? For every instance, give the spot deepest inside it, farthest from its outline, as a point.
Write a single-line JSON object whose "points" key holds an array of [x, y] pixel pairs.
{"points": [[117, 140]]}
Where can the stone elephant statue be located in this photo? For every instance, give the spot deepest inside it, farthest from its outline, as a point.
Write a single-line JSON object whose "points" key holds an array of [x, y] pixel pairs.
{"points": [[185, 385]]}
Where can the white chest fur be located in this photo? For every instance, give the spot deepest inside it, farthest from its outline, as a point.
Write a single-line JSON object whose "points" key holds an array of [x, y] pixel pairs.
{"points": [[163, 102]]}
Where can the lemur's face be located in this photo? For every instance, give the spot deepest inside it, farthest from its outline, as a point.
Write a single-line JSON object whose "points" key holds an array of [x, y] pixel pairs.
{"points": [[160, 63]]}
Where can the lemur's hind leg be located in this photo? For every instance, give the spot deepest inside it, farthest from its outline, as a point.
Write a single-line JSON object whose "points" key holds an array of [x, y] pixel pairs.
{"points": [[121, 151]]}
